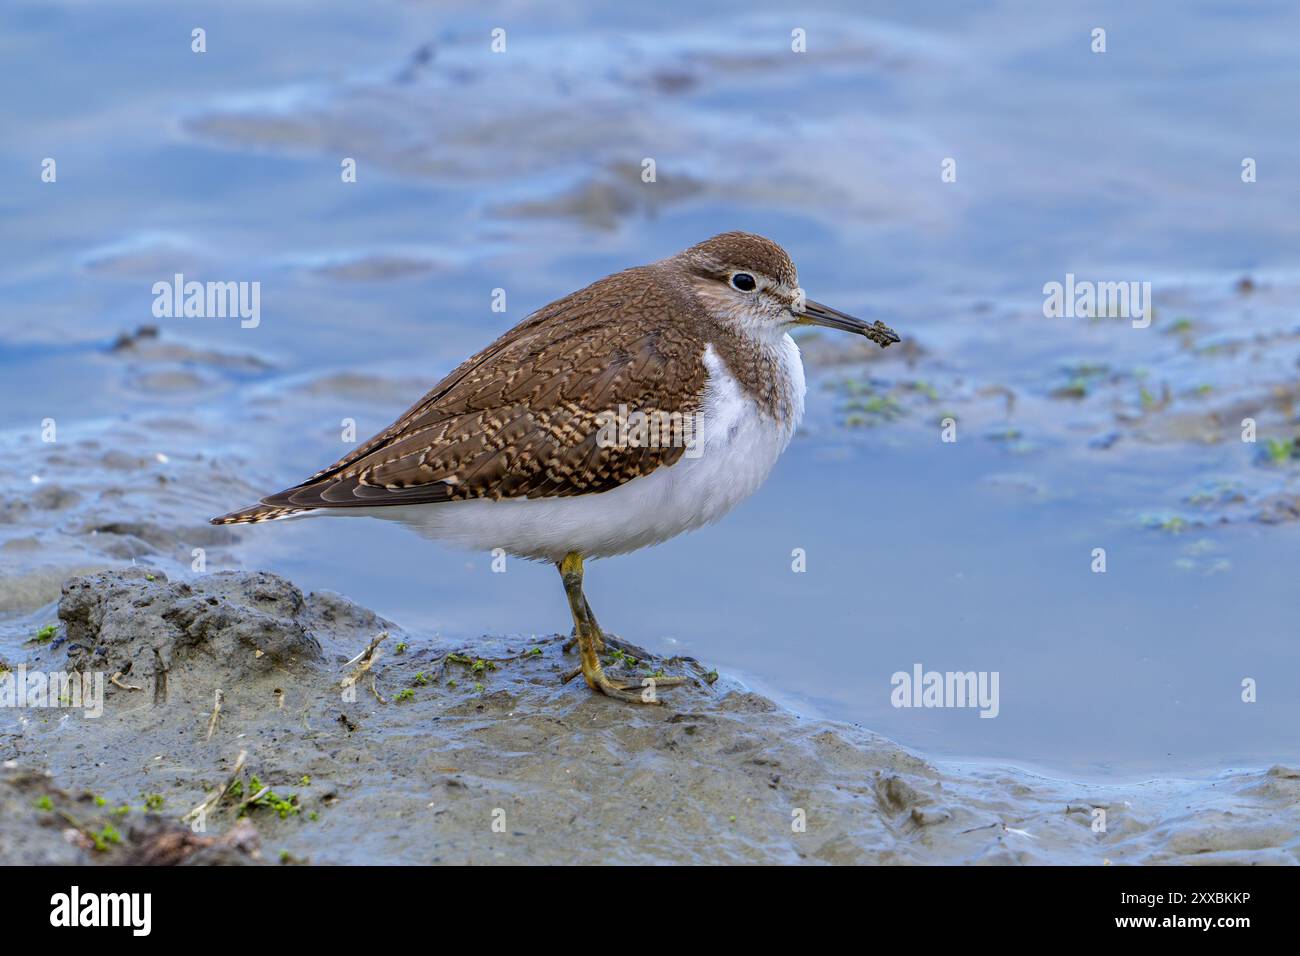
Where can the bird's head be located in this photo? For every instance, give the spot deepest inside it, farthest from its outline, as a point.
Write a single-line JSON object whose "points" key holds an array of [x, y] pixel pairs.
{"points": [[752, 281]]}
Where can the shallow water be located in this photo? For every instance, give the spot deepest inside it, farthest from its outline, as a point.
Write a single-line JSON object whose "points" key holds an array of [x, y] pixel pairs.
{"points": [[522, 172]]}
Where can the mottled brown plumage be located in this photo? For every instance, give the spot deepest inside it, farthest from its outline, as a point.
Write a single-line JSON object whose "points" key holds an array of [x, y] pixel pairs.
{"points": [[519, 418]]}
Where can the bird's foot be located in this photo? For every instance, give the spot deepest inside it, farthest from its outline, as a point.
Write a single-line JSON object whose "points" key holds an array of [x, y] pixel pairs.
{"points": [[643, 690]]}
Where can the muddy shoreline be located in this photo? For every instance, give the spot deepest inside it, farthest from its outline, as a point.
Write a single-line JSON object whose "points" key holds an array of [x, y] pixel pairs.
{"points": [[479, 754]]}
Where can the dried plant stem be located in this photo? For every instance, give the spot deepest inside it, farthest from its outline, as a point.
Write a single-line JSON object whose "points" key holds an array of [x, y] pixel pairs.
{"points": [[216, 712]]}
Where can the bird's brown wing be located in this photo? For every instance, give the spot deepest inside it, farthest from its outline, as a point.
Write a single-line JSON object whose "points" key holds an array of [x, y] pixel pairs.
{"points": [[523, 417]]}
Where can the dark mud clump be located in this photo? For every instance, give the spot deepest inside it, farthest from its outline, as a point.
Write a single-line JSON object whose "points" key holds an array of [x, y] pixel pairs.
{"points": [[143, 625]]}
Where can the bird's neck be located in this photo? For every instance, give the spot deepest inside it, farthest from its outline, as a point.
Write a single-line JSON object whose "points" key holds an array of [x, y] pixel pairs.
{"points": [[768, 368]]}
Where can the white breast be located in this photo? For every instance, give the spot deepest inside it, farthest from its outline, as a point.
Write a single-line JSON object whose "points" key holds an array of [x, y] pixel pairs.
{"points": [[738, 444]]}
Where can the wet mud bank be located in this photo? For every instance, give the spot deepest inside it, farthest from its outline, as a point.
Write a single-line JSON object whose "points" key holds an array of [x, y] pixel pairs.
{"points": [[246, 722]]}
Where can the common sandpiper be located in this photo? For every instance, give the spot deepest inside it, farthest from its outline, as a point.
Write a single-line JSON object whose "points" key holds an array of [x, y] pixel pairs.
{"points": [[647, 404]]}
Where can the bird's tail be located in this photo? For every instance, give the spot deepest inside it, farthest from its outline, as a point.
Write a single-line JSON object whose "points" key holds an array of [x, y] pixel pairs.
{"points": [[258, 513]]}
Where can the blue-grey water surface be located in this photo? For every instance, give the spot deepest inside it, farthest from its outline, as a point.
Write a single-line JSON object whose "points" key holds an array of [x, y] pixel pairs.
{"points": [[521, 171]]}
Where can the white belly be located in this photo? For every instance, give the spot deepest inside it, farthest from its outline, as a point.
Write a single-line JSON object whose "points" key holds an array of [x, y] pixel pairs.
{"points": [[738, 445]]}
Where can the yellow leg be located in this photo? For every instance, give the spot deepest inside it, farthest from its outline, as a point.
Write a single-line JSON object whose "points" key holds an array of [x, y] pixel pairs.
{"points": [[591, 642], [600, 635], [591, 619]]}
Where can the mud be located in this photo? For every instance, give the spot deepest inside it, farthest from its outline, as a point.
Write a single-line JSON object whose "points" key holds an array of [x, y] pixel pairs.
{"points": [[480, 754]]}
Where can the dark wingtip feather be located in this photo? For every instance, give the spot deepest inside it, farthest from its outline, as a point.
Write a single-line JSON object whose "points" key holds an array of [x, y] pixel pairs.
{"points": [[255, 514]]}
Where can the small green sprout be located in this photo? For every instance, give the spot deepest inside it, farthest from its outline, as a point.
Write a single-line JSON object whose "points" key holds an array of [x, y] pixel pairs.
{"points": [[407, 694], [106, 836], [45, 803], [879, 406], [401, 647], [926, 389], [421, 678], [1172, 524], [1279, 451], [153, 802], [45, 634], [284, 806]]}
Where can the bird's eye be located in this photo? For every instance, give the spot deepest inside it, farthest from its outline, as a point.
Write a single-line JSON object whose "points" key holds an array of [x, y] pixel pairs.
{"points": [[744, 282]]}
